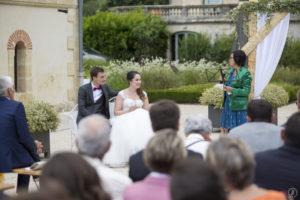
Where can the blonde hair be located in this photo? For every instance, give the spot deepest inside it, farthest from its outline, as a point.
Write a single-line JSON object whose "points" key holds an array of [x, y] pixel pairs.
{"points": [[164, 151], [234, 160]]}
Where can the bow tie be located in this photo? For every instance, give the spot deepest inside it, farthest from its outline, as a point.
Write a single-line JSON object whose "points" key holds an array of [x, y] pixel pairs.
{"points": [[97, 88]]}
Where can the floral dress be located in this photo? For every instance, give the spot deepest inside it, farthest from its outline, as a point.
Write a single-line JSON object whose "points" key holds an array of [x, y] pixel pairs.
{"points": [[229, 118]]}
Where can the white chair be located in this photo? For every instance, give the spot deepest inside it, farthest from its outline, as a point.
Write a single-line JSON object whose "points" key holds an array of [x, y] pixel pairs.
{"points": [[72, 116], [112, 106]]}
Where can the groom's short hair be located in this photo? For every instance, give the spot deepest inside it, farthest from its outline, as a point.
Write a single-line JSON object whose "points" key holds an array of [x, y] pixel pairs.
{"points": [[94, 72], [164, 114]]}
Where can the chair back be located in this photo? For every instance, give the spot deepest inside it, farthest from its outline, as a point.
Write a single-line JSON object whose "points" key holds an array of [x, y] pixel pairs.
{"points": [[72, 116]]}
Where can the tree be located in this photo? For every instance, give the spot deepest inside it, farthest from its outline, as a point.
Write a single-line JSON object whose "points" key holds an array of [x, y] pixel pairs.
{"points": [[126, 36], [90, 7]]}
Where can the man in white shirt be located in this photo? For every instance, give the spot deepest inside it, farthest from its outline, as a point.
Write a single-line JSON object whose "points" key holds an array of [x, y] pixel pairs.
{"points": [[197, 129], [93, 142]]}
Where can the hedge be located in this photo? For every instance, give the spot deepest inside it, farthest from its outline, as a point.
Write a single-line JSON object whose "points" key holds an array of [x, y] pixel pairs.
{"points": [[290, 89], [185, 94], [191, 93]]}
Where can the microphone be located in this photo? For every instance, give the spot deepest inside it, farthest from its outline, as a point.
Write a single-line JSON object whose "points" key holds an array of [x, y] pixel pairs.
{"points": [[224, 72]]}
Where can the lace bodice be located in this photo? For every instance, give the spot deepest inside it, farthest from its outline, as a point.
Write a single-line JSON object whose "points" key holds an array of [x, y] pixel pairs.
{"points": [[128, 103]]}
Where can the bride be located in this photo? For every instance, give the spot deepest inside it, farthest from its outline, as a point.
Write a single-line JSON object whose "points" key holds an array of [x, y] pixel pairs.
{"points": [[131, 129]]}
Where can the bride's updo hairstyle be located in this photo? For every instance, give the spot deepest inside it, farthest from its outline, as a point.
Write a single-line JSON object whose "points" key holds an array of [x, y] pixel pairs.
{"points": [[139, 91]]}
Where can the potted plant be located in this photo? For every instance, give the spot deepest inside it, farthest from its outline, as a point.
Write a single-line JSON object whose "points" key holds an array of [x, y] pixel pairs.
{"points": [[276, 96], [41, 118], [213, 97]]}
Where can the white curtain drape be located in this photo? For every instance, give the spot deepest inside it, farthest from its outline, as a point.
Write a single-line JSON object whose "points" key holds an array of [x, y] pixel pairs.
{"points": [[269, 52]]}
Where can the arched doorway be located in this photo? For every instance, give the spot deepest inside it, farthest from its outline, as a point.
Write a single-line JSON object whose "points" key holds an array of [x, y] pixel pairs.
{"points": [[175, 42], [19, 67], [19, 48]]}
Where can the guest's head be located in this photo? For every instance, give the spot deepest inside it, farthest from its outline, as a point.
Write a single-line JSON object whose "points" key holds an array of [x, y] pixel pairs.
{"points": [[237, 58], [298, 100], [291, 133], [234, 160], [53, 190], [135, 81], [194, 179], [93, 136], [164, 151], [6, 87], [259, 110], [97, 76], [79, 178], [198, 124], [164, 114]]}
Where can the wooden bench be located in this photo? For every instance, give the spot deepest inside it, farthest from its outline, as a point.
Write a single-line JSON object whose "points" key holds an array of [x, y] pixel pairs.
{"points": [[27, 172], [34, 173], [6, 186]]}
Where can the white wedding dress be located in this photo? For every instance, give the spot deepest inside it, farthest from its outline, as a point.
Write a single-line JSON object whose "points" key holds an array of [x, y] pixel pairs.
{"points": [[130, 133]]}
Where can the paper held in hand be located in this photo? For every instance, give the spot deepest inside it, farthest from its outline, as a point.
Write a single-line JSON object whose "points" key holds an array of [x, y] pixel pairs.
{"points": [[37, 165], [221, 86]]}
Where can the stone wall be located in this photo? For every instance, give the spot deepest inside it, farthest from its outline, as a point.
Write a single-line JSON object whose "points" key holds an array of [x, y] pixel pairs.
{"points": [[49, 61]]}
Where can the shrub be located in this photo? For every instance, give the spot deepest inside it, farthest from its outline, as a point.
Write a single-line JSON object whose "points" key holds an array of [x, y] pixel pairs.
{"points": [[287, 75], [290, 89], [127, 35], [194, 47], [213, 96], [290, 54], [40, 116], [275, 95], [88, 64], [185, 94], [221, 49], [157, 74]]}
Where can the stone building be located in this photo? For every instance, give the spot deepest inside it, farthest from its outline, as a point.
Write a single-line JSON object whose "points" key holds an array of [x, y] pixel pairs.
{"points": [[199, 16], [39, 48], [201, 2]]}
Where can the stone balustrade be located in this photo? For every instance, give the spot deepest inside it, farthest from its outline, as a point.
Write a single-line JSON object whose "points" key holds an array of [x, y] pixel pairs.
{"points": [[188, 13]]}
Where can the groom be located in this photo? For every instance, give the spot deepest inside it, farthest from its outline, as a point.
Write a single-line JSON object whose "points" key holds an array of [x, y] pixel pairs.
{"points": [[93, 97]]}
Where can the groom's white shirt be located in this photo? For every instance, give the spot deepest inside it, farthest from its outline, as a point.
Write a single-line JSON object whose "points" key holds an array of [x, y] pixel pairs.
{"points": [[113, 182], [97, 93]]}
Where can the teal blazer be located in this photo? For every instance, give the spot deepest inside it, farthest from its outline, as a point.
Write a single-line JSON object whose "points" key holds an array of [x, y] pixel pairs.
{"points": [[238, 100]]}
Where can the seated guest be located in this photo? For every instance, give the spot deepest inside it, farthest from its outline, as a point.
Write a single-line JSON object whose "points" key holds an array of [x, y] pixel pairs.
{"points": [[259, 133], [93, 142], [235, 161], [197, 129], [79, 179], [279, 169], [17, 147], [162, 153], [194, 179], [163, 114], [53, 191]]}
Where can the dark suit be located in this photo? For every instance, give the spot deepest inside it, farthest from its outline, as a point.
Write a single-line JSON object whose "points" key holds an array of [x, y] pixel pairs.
{"points": [[86, 104], [17, 147], [137, 168], [279, 169]]}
